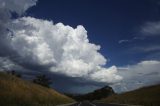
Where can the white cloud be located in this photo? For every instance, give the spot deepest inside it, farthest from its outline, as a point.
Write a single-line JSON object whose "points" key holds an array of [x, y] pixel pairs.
{"points": [[7, 65], [141, 74], [38, 42], [64, 49], [130, 40], [149, 48], [7, 7], [123, 41], [18, 6], [109, 75], [151, 29]]}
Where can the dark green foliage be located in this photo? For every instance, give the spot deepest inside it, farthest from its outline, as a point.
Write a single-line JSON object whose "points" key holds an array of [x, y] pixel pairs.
{"points": [[42, 80], [95, 95], [14, 73]]}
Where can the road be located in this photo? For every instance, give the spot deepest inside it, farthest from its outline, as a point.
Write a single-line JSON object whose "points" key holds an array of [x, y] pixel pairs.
{"points": [[87, 103]]}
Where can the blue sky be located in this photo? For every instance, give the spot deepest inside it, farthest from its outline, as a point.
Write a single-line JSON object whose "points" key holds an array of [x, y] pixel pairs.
{"points": [[82, 45], [107, 22]]}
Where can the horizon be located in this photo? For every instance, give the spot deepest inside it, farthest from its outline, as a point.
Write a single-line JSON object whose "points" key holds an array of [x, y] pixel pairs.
{"points": [[82, 45]]}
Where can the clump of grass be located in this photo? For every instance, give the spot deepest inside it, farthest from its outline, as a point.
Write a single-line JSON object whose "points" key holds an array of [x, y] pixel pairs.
{"points": [[15, 91], [147, 96]]}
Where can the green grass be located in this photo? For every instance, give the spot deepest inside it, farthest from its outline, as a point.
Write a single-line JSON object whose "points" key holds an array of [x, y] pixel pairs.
{"points": [[147, 96], [17, 92]]}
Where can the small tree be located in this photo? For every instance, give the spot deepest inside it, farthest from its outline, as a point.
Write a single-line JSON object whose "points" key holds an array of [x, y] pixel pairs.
{"points": [[14, 73], [42, 80]]}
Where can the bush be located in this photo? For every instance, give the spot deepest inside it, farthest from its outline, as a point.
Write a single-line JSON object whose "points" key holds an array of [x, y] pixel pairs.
{"points": [[14, 73], [42, 80]]}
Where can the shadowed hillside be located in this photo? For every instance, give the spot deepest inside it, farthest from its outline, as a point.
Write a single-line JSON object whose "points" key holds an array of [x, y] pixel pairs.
{"points": [[95, 95], [147, 96], [15, 91]]}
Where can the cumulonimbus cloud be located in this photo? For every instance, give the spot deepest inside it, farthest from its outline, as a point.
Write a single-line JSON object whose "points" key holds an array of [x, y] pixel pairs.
{"points": [[27, 43], [64, 49], [60, 48]]}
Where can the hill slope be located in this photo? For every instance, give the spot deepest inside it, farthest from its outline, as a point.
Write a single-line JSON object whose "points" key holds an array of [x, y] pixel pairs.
{"points": [[95, 95], [15, 91], [147, 96]]}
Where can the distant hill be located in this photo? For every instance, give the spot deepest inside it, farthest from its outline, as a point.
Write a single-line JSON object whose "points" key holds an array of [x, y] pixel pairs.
{"points": [[17, 92], [147, 96], [95, 95]]}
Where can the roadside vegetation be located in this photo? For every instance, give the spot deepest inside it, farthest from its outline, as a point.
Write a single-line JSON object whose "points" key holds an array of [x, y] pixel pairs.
{"points": [[147, 96], [42, 80], [17, 92], [94, 95]]}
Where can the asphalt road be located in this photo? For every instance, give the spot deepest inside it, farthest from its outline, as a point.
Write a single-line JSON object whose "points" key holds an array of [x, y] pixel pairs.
{"points": [[87, 103]]}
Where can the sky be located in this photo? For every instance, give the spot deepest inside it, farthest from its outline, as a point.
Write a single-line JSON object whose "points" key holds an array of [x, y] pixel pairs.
{"points": [[82, 45]]}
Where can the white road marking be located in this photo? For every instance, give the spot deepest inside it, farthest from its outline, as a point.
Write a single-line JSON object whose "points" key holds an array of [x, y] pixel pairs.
{"points": [[124, 104], [79, 104], [67, 104], [92, 104]]}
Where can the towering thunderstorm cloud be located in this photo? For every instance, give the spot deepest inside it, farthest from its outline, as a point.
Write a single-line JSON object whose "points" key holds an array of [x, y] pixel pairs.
{"points": [[57, 47], [36, 45]]}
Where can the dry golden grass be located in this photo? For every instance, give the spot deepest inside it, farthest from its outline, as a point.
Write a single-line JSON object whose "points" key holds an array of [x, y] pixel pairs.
{"points": [[17, 92], [147, 96]]}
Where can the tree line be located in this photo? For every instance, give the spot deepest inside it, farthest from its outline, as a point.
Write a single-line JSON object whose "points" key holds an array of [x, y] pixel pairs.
{"points": [[42, 79]]}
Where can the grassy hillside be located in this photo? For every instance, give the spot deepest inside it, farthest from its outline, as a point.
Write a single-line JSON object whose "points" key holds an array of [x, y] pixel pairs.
{"points": [[17, 92], [147, 96]]}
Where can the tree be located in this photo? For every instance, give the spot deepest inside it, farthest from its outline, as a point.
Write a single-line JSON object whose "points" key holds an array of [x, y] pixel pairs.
{"points": [[42, 80], [14, 73]]}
